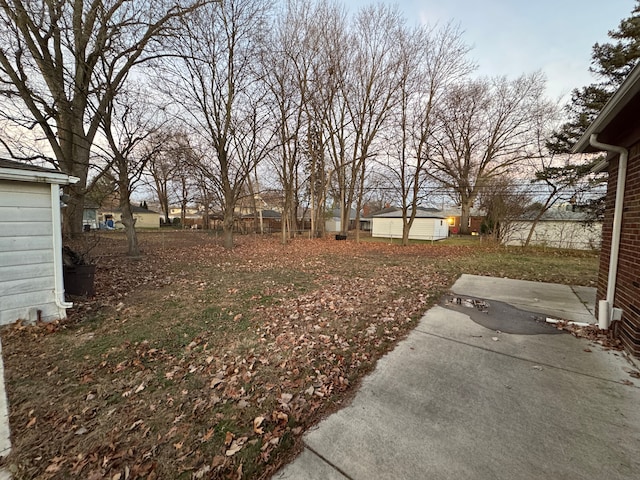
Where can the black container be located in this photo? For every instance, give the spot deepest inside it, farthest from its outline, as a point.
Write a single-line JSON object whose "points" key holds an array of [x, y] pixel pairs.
{"points": [[341, 237], [79, 280]]}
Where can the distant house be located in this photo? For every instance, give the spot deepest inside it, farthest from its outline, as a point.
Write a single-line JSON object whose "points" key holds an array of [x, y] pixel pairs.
{"points": [[366, 222], [31, 276], [144, 218], [333, 223], [429, 224], [90, 216], [453, 215], [270, 220], [616, 130], [559, 228]]}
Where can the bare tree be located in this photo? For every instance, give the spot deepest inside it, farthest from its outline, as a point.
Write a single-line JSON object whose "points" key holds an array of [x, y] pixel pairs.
{"points": [[128, 124], [557, 175], [287, 66], [304, 70], [484, 128], [187, 160], [431, 59], [328, 130], [161, 169], [505, 201], [371, 86], [53, 57], [214, 78]]}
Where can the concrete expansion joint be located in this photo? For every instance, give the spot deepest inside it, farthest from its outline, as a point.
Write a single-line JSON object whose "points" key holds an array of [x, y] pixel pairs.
{"points": [[582, 301], [328, 462], [631, 360]]}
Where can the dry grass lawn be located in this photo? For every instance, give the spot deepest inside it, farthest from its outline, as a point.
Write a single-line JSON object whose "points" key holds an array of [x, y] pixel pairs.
{"points": [[196, 362]]}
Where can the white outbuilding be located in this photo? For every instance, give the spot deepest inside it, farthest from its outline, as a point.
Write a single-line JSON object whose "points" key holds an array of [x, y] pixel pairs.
{"points": [[429, 224], [558, 228], [31, 278]]}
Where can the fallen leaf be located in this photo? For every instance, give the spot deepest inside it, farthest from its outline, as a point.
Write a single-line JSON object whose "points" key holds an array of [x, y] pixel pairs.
{"points": [[135, 424], [257, 425], [233, 449], [228, 438], [286, 398], [55, 465], [207, 436], [215, 382], [280, 417], [202, 472]]}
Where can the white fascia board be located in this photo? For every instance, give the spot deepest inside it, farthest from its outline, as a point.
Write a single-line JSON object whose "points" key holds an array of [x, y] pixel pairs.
{"points": [[34, 176]]}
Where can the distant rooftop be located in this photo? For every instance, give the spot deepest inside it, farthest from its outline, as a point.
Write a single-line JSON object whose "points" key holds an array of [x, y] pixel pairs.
{"points": [[420, 213]]}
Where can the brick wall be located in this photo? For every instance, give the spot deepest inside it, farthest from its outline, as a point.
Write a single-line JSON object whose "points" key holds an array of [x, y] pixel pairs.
{"points": [[627, 295]]}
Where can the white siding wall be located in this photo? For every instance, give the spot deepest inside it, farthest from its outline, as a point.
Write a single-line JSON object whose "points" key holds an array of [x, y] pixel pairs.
{"points": [[422, 228], [558, 234], [332, 225], [27, 282]]}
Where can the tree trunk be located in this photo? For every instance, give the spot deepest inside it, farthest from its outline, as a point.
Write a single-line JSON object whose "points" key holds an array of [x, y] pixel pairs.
{"points": [[284, 222], [227, 228], [73, 212], [129, 227], [165, 207], [534, 224], [537, 218], [77, 165], [359, 202], [405, 233], [465, 213], [125, 207]]}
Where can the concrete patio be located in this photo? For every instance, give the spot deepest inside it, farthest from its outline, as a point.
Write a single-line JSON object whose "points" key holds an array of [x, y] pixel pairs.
{"points": [[461, 397]]}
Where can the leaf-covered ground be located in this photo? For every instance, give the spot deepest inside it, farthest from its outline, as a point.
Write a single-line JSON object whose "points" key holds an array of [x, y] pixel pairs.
{"points": [[196, 362]]}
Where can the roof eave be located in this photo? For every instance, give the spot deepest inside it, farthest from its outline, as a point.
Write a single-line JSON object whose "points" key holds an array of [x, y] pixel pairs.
{"points": [[37, 177], [600, 166], [629, 88]]}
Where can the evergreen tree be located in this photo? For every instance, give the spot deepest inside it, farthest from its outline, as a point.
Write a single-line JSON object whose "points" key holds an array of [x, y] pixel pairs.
{"points": [[611, 62]]}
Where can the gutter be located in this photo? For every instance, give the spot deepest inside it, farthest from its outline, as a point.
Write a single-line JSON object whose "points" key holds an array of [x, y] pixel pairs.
{"points": [[36, 176], [605, 307]]}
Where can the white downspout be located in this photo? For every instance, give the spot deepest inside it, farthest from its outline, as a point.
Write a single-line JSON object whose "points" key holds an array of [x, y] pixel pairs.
{"points": [[607, 307], [57, 250]]}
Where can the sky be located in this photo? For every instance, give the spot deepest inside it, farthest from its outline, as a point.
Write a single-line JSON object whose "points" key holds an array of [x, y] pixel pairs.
{"points": [[511, 37]]}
